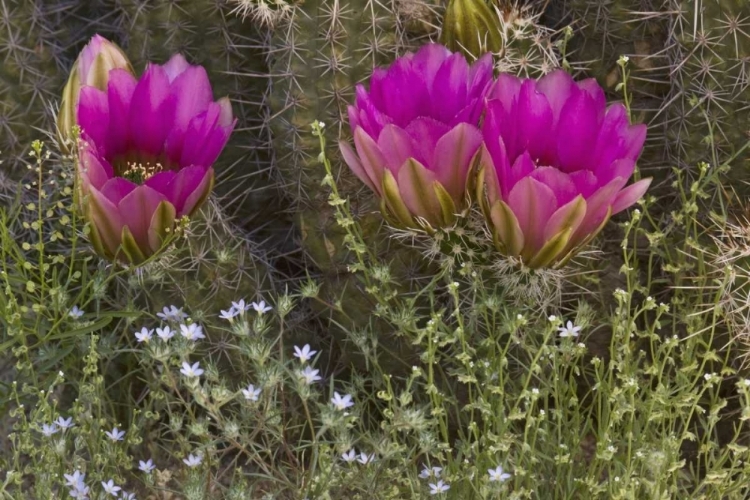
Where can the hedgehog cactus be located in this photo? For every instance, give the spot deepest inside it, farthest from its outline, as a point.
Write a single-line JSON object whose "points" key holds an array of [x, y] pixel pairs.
{"points": [[710, 51]]}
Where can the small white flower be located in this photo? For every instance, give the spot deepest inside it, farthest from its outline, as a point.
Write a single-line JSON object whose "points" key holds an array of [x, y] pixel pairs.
{"points": [[251, 393], [497, 474], [109, 487], [64, 423], [349, 456], [115, 435], [438, 488], [430, 472], [144, 335], [365, 459], [49, 429], [341, 402], [261, 307], [240, 306], [192, 331], [228, 315], [75, 313], [193, 460], [310, 375], [569, 330], [147, 466], [74, 480], [172, 313], [127, 496], [191, 371], [165, 333], [305, 354]]}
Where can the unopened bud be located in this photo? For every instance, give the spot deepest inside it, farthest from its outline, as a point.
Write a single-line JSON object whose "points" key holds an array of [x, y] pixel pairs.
{"points": [[91, 68], [471, 26]]}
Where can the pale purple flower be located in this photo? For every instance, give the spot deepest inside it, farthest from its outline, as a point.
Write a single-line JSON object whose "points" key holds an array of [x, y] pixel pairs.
{"points": [[165, 333], [342, 402], [75, 479], [49, 429], [115, 434], [415, 133], [144, 335], [64, 423], [191, 371], [147, 153], [240, 306], [438, 488], [192, 331], [569, 330], [305, 354], [554, 165], [365, 459], [75, 312], [261, 307], [349, 456], [309, 375], [172, 313], [110, 488], [428, 472], [147, 466], [193, 460], [230, 314], [251, 393], [497, 474]]}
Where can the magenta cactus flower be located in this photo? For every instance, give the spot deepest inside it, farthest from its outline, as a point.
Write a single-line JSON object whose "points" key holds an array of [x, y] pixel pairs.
{"points": [[554, 165], [415, 133], [146, 154]]}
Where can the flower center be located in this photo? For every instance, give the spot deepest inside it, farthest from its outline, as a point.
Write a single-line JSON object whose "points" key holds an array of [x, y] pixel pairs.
{"points": [[140, 172]]}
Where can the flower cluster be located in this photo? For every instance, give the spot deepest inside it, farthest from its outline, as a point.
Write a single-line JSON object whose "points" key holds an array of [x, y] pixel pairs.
{"points": [[552, 159]]}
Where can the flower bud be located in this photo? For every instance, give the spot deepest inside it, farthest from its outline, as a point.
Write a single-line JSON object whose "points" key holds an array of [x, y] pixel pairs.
{"points": [[471, 27], [91, 68]]}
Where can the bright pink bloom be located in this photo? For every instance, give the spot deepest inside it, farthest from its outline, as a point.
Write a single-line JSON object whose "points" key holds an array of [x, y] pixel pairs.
{"points": [[146, 154], [415, 133], [554, 165]]}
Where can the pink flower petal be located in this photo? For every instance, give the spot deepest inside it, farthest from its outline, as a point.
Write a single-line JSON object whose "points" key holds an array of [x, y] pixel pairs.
{"points": [[136, 210], [522, 167], [120, 90], [352, 160], [177, 186], [533, 204], [371, 157], [204, 139], [594, 90], [151, 111], [506, 90], [630, 195], [453, 155], [415, 186], [95, 170], [425, 133], [117, 188], [559, 182], [449, 89], [597, 208], [105, 215], [533, 118], [557, 87], [93, 115], [396, 146], [197, 188], [622, 168], [192, 93], [577, 132], [175, 67]]}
